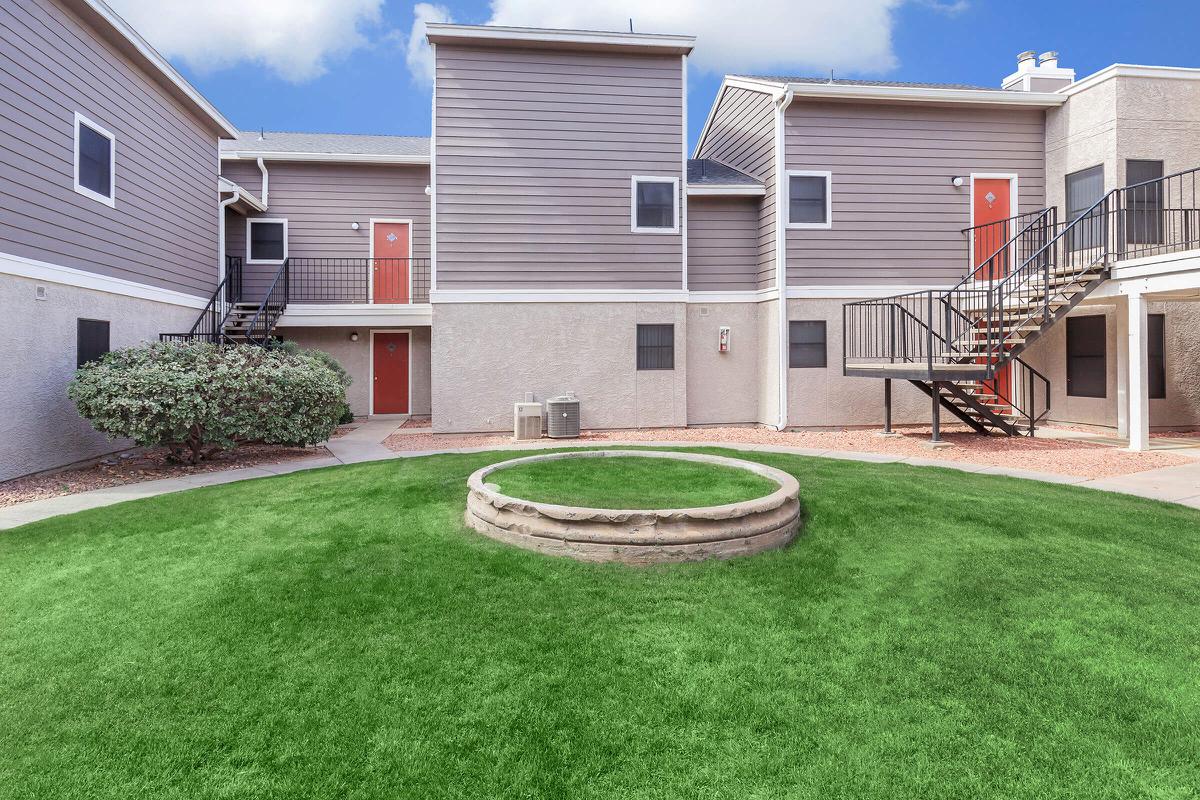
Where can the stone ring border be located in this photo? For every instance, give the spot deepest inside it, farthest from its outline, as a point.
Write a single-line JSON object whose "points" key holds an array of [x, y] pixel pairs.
{"points": [[641, 536]]}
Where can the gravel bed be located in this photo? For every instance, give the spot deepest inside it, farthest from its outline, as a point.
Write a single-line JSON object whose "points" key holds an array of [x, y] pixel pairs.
{"points": [[1058, 456]]}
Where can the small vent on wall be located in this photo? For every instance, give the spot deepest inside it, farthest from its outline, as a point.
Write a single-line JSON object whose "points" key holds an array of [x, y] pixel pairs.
{"points": [[39, 292], [704, 311]]}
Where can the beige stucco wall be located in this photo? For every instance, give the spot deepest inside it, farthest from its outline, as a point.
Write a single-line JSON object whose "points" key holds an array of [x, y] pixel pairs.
{"points": [[1180, 408], [40, 428], [355, 357], [722, 388], [1120, 119], [486, 356], [768, 376], [825, 397]]}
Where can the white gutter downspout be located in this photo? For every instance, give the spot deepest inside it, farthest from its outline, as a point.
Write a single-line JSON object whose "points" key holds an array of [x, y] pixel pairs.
{"points": [[781, 105], [262, 167], [221, 206]]}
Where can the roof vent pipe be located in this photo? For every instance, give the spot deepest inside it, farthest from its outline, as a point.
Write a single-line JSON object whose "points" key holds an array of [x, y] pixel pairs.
{"points": [[1026, 61], [1049, 59]]}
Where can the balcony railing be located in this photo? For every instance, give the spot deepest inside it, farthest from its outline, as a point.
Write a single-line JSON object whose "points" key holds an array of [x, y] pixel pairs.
{"points": [[359, 280]]}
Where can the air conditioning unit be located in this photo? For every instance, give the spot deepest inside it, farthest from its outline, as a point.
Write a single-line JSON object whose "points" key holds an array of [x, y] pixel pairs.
{"points": [[527, 421], [562, 417]]}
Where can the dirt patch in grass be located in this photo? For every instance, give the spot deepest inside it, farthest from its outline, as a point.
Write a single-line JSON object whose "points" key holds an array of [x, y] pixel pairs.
{"points": [[144, 465]]}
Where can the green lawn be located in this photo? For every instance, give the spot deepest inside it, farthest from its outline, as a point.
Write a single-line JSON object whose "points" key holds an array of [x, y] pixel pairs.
{"points": [[340, 634], [630, 482]]}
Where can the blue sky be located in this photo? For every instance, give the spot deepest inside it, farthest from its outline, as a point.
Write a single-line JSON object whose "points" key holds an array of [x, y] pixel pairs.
{"points": [[368, 87]]}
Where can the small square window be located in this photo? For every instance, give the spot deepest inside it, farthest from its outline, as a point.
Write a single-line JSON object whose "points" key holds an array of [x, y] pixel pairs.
{"points": [[655, 205], [806, 344], [809, 200], [95, 155], [656, 347], [266, 241], [91, 340]]}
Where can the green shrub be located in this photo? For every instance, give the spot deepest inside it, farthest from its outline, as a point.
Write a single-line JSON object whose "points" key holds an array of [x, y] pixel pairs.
{"points": [[199, 398], [346, 416]]}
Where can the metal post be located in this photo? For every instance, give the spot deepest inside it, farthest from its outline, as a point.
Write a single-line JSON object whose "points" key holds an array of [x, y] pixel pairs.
{"points": [[937, 410], [887, 405], [1029, 403]]}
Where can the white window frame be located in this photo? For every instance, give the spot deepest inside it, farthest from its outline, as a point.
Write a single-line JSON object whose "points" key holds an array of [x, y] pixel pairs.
{"points": [[810, 173], [252, 220], [633, 184], [111, 200]]}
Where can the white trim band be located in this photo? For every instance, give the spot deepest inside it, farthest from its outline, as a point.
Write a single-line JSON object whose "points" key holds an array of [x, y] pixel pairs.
{"points": [[69, 276], [355, 158]]}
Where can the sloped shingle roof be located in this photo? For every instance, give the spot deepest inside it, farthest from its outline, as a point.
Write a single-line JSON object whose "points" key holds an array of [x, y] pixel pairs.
{"points": [[331, 143], [705, 171]]}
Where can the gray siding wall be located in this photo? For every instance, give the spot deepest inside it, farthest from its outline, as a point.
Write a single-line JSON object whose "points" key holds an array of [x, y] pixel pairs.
{"points": [[535, 152], [896, 216], [163, 230], [742, 136], [319, 201], [723, 243]]}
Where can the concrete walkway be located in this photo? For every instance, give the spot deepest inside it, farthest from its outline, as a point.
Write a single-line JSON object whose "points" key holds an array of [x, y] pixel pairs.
{"points": [[1179, 484]]}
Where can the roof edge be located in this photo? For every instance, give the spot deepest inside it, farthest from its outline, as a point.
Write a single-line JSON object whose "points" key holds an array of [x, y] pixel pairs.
{"points": [[924, 95], [448, 33], [360, 158], [1130, 71], [98, 14]]}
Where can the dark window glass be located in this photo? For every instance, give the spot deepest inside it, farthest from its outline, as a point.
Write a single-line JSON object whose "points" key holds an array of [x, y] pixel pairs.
{"points": [[1144, 215], [95, 161], [91, 340], [656, 347], [266, 241], [655, 204], [1087, 374], [806, 344], [1084, 190], [1157, 349], [806, 198]]}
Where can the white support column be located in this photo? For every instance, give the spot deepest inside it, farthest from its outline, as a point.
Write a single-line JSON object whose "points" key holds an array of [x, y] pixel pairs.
{"points": [[1122, 367], [1139, 375]]}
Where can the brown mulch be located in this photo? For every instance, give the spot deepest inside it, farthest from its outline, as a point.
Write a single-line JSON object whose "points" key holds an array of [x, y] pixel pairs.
{"points": [[143, 465], [1058, 456]]}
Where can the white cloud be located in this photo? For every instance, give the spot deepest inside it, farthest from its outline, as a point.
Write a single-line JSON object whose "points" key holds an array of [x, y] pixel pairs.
{"points": [[418, 53], [848, 36], [292, 39]]}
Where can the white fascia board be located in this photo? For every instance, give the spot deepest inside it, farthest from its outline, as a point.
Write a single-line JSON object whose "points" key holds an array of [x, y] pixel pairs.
{"points": [[701, 297], [448, 32], [725, 190], [82, 279], [1130, 71], [920, 94], [226, 186], [329, 315], [134, 40], [856, 292], [359, 158]]}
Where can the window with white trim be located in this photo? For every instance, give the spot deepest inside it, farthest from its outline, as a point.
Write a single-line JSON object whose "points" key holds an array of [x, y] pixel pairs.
{"points": [[809, 201], [95, 161], [266, 241], [655, 205]]}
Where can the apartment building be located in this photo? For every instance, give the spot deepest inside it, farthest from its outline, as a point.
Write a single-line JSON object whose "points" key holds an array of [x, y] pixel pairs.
{"points": [[963, 250]]}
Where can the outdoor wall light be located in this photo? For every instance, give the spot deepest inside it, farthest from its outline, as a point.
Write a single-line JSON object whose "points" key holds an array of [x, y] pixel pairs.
{"points": [[957, 180], [354, 336], [353, 226]]}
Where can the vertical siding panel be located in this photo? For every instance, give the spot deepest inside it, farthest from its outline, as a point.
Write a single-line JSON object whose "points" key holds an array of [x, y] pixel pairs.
{"points": [[535, 152]]}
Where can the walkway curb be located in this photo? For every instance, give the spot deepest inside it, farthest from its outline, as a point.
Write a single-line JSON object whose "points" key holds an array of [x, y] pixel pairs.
{"points": [[1177, 484]]}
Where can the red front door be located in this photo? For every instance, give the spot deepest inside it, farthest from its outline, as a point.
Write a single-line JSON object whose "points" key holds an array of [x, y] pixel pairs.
{"points": [[389, 265], [991, 204], [390, 365]]}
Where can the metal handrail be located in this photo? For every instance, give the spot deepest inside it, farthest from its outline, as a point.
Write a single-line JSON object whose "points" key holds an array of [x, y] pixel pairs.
{"points": [[273, 304], [228, 292]]}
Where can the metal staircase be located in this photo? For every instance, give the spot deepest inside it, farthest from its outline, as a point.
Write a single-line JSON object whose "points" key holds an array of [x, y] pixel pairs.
{"points": [[228, 319], [962, 346]]}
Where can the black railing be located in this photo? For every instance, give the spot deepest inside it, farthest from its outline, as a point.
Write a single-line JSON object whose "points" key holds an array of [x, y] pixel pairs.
{"points": [[262, 325], [360, 280], [990, 245], [1026, 391], [1158, 216], [209, 326]]}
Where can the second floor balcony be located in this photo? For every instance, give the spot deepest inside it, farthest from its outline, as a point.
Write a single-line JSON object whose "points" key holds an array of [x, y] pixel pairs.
{"points": [[375, 281]]}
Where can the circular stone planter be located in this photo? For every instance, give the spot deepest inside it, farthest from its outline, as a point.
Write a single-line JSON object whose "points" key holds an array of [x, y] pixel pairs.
{"points": [[638, 536]]}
